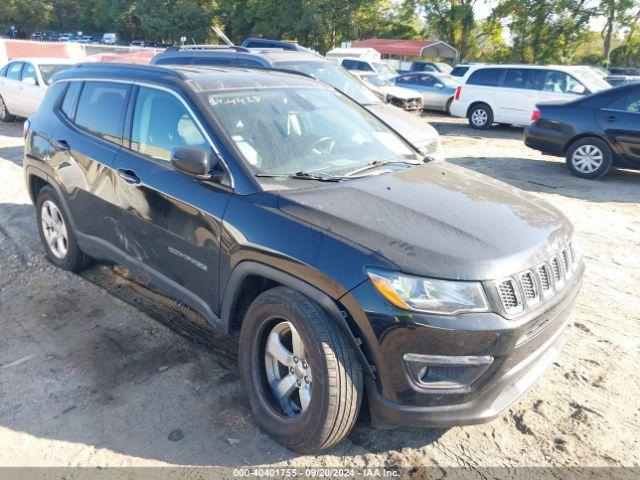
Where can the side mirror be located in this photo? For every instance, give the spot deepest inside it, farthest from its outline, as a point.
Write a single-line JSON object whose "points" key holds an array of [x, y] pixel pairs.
{"points": [[29, 81], [439, 86], [193, 161]]}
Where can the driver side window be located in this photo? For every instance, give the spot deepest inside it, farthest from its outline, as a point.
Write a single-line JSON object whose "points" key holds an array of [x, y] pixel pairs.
{"points": [[161, 123]]}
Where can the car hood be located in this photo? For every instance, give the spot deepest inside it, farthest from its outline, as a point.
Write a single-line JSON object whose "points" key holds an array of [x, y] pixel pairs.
{"points": [[400, 92], [412, 128], [437, 220]]}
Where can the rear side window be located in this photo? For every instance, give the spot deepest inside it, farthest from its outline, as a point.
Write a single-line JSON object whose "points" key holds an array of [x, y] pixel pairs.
{"points": [[69, 102], [459, 71], [349, 64], [174, 61], [161, 123], [628, 103], [101, 108], [29, 72], [524, 78], [14, 71], [487, 77]]}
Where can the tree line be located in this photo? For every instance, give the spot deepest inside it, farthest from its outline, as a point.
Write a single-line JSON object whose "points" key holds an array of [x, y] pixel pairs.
{"points": [[530, 31]]}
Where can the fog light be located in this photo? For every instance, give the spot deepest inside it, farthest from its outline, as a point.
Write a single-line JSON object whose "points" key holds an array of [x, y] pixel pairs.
{"points": [[445, 374]]}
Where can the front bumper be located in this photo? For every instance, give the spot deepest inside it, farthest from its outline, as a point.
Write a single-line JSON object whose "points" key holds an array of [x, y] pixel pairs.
{"points": [[520, 349]]}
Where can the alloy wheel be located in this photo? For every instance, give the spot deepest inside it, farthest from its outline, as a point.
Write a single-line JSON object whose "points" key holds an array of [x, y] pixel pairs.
{"points": [[479, 117], [287, 369], [587, 159], [54, 229]]}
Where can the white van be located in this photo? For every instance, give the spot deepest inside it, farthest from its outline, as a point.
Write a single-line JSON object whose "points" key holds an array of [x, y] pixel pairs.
{"points": [[509, 93]]}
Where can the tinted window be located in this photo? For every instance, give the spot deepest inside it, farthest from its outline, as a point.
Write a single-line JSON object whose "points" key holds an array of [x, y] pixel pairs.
{"points": [[162, 123], [101, 109], [524, 78], [349, 64], [174, 61], [236, 62], [426, 80], [29, 72], [487, 77], [14, 70], [629, 103], [70, 99], [3, 72]]}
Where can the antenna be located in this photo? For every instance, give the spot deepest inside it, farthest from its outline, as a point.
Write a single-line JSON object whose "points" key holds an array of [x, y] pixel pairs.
{"points": [[222, 36]]}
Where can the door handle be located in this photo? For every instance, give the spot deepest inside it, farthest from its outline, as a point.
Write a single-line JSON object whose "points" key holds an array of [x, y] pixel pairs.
{"points": [[611, 118], [62, 145], [128, 176]]}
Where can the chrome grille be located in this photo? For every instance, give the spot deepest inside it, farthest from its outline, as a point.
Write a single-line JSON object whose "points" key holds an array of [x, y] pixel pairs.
{"points": [[529, 287], [543, 275], [509, 296], [524, 290]]}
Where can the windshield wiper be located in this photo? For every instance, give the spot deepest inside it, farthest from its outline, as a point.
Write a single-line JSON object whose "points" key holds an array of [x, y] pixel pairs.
{"points": [[302, 176], [378, 163]]}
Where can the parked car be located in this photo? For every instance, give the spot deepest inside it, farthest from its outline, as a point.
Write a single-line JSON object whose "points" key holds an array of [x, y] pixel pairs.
{"points": [[508, 93], [421, 66], [437, 89], [624, 71], [617, 80], [420, 134], [390, 93], [109, 39], [23, 83], [361, 65], [593, 133], [274, 205]]}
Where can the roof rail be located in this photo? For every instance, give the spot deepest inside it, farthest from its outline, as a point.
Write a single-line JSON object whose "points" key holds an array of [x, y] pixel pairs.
{"points": [[178, 48], [132, 66]]}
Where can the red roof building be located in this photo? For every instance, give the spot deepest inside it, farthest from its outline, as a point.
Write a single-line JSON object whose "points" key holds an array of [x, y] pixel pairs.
{"points": [[408, 48]]}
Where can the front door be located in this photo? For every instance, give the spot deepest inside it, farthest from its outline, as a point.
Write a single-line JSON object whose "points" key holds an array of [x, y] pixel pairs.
{"points": [[171, 222], [11, 84], [621, 122]]}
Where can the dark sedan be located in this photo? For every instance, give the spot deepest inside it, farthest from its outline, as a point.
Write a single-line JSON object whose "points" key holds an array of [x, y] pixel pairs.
{"points": [[593, 133]]}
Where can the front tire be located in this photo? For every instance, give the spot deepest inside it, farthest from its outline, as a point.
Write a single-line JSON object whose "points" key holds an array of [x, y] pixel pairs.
{"points": [[480, 116], [303, 379], [57, 234], [5, 116], [589, 158]]}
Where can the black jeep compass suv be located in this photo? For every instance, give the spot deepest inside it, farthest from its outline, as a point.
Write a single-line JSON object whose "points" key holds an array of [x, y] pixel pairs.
{"points": [[275, 206]]}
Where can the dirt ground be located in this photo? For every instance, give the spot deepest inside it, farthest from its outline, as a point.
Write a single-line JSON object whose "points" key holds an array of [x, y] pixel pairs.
{"points": [[98, 370]]}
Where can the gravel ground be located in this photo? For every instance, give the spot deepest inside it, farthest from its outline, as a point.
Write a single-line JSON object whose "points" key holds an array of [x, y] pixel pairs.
{"points": [[100, 370]]}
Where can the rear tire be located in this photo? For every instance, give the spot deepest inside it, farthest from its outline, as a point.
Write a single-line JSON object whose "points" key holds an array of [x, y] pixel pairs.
{"points": [[480, 116], [5, 116], [320, 392], [57, 234], [589, 158]]}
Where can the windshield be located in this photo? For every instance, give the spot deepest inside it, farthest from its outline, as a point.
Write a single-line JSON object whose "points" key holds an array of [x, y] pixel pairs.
{"points": [[384, 68], [443, 67], [335, 76], [47, 71], [285, 131], [591, 80], [377, 80]]}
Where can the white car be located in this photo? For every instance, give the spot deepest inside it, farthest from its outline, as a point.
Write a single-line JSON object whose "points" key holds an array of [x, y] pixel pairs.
{"points": [[387, 91], [509, 93], [23, 83], [363, 65], [109, 39]]}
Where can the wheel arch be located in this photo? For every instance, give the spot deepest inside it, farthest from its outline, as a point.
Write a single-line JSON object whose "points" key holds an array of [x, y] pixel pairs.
{"points": [[475, 104], [250, 278], [36, 180], [580, 136]]}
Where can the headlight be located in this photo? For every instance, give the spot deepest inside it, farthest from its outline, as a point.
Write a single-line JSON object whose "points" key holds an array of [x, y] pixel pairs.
{"points": [[428, 294]]}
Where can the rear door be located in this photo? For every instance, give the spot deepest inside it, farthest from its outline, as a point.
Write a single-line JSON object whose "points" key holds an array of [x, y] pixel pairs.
{"points": [[430, 94], [482, 86], [621, 122], [171, 222], [87, 140]]}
